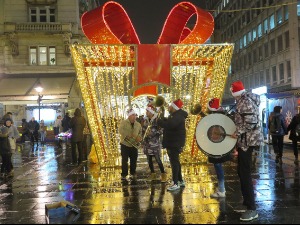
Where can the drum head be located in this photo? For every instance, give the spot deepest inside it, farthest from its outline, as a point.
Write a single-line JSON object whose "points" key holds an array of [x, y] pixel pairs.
{"points": [[213, 135]]}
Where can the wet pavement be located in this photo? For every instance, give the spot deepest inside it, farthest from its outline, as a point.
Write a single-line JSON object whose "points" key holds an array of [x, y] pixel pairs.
{"points": [[42, 177]]}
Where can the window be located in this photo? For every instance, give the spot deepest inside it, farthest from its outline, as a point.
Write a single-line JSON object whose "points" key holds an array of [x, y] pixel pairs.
{"points": [[254, 34], [43, 55], [245, 40], [279, 16], [289, 71], [266, 26], [272, 46], [274, 75], [280, 43], [287, 39], [286, 12], [241, 43], [250, 37], [298, 8], [261, 78], [266, 46], [259, 30], [268, 80], [272, 22], [43, 14], [281, 73]]}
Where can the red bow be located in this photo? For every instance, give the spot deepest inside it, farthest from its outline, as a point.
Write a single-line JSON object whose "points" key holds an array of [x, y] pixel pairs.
{"points": [[110, 24]]}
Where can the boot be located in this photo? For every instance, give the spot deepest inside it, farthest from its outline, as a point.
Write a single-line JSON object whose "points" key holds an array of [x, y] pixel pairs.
{"points": [[277, 158], [152, 177], [163, 177]]}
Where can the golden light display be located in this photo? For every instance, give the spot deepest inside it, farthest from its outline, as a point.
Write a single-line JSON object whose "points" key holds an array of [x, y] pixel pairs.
{"points": [[107, 79]]}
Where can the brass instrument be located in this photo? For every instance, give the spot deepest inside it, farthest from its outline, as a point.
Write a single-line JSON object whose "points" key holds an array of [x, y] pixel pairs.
{"points": [[197, 110], [133, 142], [159, 101]]}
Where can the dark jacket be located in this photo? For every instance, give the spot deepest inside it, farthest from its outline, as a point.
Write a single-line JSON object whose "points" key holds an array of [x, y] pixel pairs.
{"points": [[283, 129], [4, 142], [77, 124], [174, 133], [66, 123], [292, 127]]}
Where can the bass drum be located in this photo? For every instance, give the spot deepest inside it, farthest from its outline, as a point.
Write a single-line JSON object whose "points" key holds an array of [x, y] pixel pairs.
{"points": [[213, 135]]}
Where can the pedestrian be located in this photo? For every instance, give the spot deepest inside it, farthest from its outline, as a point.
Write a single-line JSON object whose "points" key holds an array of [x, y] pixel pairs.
{"points": [[43, 132], [34, 127], [249, 137], [294, 127], [66, 122], [278, 129], [174, 136], [151, 143], [6, 169], [214, 107], [77, 124], [131, 135], [25, 130]]}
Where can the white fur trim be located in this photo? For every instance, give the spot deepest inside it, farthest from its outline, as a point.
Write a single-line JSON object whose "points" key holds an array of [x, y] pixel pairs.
{"points": [[174, 106], [213, 109], [131, 113], [238, 93], [149, 109]]}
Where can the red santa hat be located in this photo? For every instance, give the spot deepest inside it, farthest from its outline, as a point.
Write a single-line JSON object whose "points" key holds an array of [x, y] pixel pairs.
{"points": [[177, 104], [237, 88], [130, 112], [214, 104], [150, 108]]}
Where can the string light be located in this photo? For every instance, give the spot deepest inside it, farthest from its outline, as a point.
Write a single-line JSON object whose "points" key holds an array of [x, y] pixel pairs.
{"points": [[106, 76]]}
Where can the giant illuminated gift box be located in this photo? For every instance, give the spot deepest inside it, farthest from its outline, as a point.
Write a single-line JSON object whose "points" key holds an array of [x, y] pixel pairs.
{"points": [[116, 70]]}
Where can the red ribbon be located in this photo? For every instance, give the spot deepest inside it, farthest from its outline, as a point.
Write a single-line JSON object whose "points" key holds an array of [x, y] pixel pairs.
{"points": [[110, 24]]}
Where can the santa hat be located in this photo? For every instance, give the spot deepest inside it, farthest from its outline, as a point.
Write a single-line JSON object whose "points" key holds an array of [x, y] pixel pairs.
{"points": [[150, 108], [237, 88], [214, 104], [130, 112], [177, 104]]}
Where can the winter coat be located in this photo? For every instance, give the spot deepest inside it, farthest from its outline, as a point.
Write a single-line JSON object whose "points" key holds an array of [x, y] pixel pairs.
{"points": [[127, 130], [247, 123], [33, 126], [174, 133], [66, 123], [4, 142], [292, 127], [283, 129], [151, 143], [77, 124]]}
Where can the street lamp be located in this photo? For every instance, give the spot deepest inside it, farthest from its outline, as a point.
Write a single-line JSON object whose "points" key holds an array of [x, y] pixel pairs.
{"points": [[39, 89]]}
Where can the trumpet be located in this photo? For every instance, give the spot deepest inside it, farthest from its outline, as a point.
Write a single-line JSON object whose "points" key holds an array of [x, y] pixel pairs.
{"points": [[133, 142], [197, 110], [159, 101]]}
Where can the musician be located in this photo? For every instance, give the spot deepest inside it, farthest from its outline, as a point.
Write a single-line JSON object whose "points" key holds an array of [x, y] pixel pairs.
{"points": [[248, 133], [174, 135], [151, 142], [131, 133], [214, 107]]}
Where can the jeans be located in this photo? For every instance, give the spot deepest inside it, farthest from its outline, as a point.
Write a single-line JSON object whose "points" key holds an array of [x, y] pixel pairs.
{"points": [[43, 135], [277, 142], [159, 162], [76, 157], [6, 163], [175, 164], [220, 175], [132, 154], [244, 172]]}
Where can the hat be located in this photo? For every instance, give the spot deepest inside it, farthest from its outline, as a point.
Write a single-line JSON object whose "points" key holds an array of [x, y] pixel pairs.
{"points": [[237, 88], [214, 104], [130, 112], [177, 104], [151, 108]]}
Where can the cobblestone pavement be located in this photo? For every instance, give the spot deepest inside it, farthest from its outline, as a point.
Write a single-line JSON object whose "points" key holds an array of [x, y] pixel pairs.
{"points": [[42, 177]]}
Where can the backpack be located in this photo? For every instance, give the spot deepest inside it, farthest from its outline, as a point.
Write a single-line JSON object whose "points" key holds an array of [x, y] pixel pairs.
{"points": [[275, 124]]}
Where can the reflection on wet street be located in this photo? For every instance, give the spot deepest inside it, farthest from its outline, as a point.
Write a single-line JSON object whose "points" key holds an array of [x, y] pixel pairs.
{"points": [[41, 176]]}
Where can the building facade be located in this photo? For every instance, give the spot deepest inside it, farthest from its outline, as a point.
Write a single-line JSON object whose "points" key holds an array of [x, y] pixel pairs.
{"points": [[34, 48]]}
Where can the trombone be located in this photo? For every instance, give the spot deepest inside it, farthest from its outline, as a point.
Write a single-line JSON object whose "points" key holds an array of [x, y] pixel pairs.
{"points": [[159, 101]]}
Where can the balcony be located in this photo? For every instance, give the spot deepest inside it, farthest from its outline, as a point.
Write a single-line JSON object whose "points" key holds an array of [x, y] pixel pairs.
{"points": [[37, 27]]}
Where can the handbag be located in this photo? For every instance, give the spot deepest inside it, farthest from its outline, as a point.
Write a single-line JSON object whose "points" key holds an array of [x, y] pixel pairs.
{"points": [[12, 143]]}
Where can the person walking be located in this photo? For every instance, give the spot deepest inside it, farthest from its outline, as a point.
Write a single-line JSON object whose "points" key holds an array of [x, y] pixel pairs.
{"points": [[34, 127], [249, 137], [6, 166], [152, 144], [66, 122], [25, 130], [131, 134], [278, 129], [57, 128], [294, 127], [43, 132], [77, 124], [174, 136]]}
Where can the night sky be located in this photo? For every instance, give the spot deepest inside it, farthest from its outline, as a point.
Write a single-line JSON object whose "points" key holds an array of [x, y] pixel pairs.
{"points": [[148, 16]]}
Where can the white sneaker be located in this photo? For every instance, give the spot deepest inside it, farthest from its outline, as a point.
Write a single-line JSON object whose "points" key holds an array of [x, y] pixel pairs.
{"points": [[218, 194], [181, 183], [174, 187]]}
